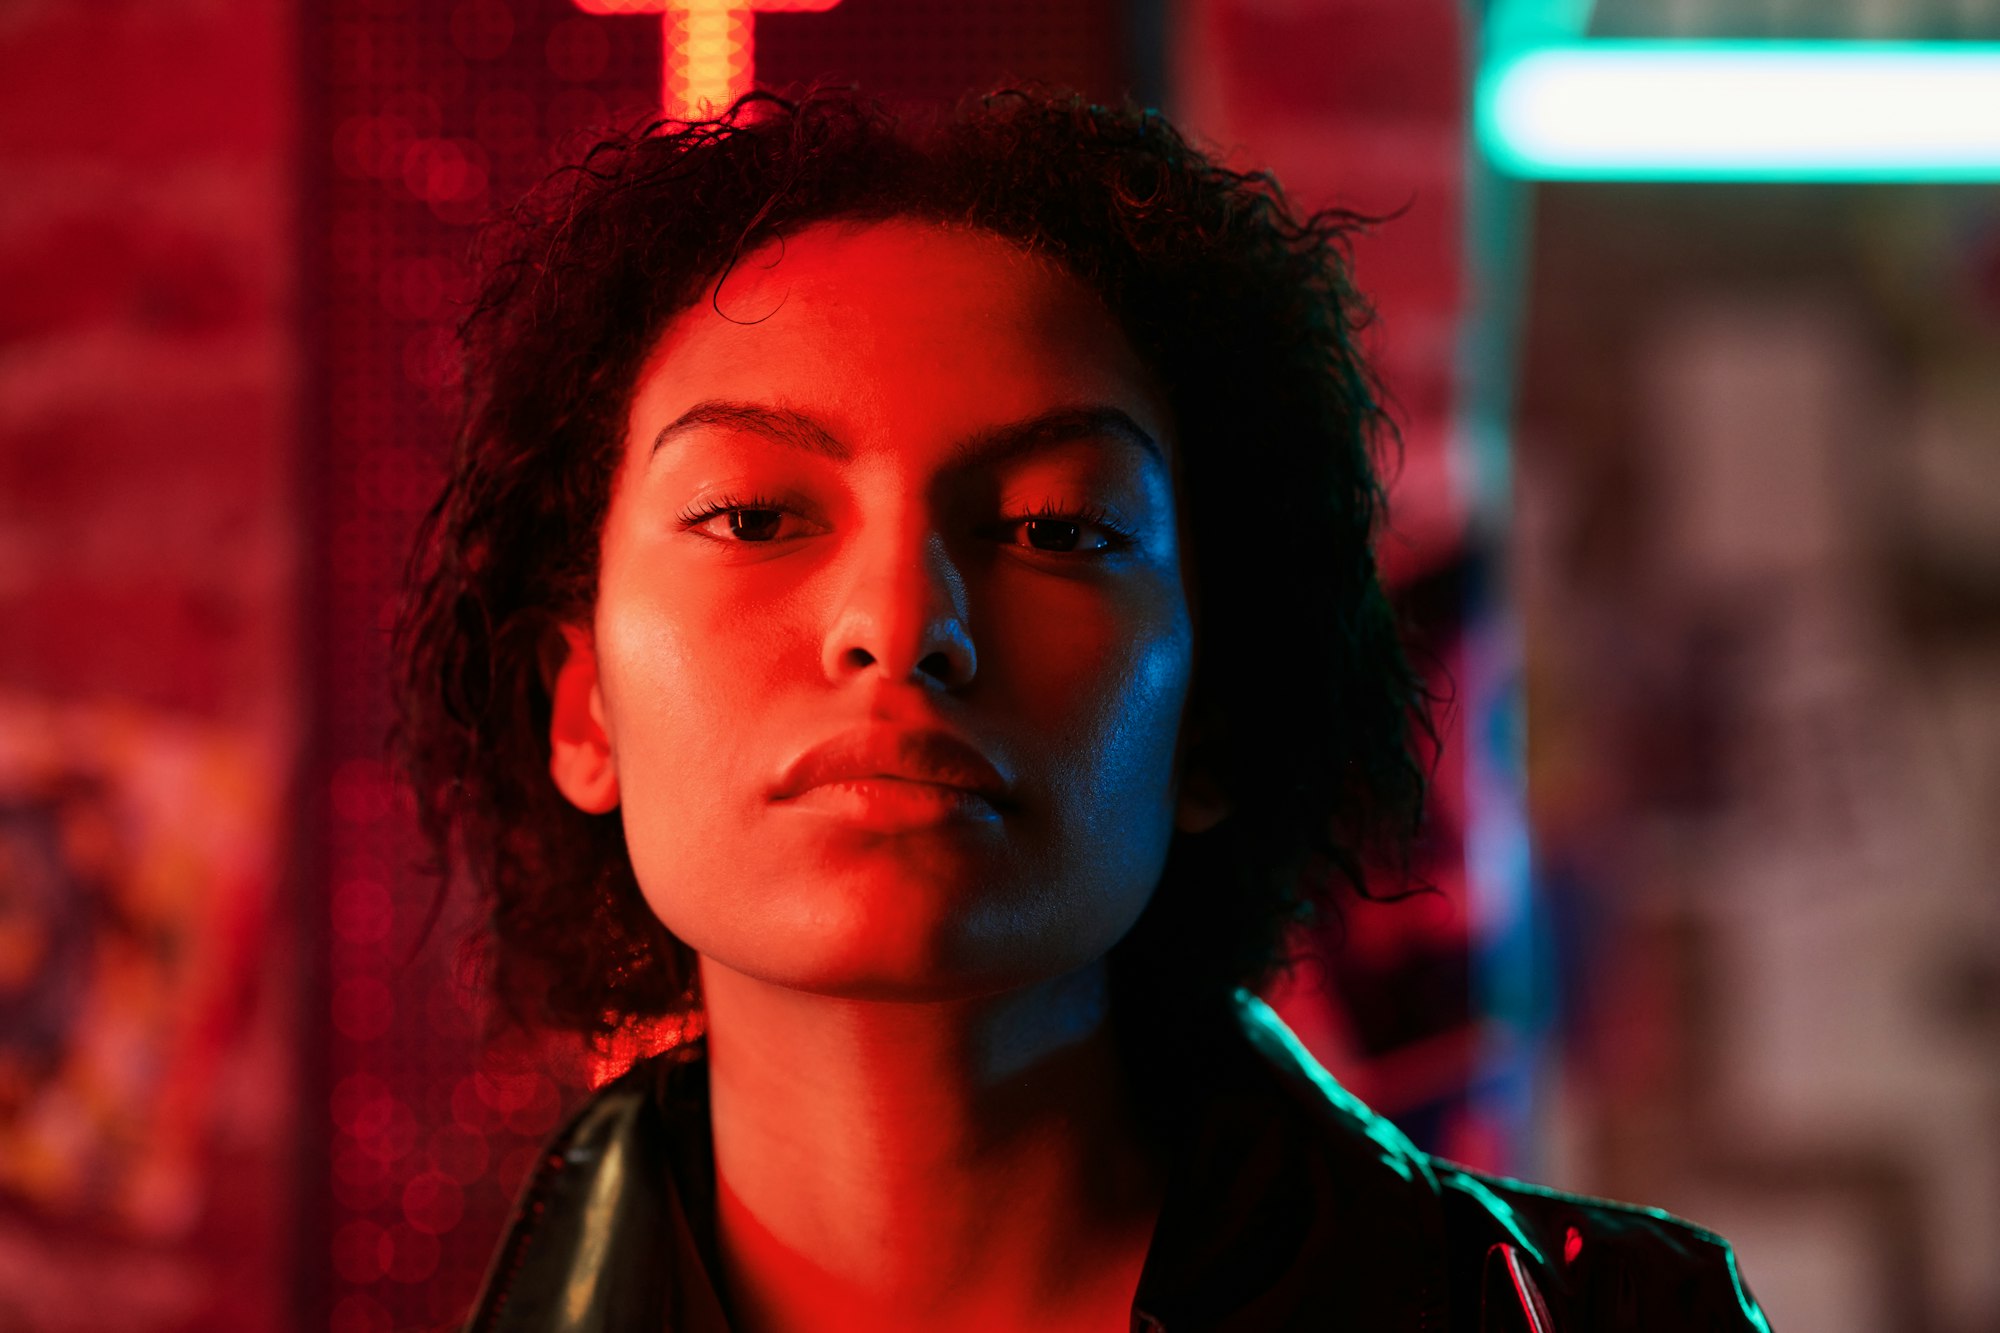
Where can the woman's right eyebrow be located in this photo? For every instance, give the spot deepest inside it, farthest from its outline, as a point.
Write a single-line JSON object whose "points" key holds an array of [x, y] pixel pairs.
{"points": [[797, 430], [780, 424]]}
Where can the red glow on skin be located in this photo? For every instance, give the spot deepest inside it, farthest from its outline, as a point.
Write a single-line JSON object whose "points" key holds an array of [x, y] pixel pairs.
{"points": [[919, 1121]]}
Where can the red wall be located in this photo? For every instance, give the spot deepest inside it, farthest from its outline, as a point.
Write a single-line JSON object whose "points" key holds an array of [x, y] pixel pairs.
{"points": [[150, 701]]}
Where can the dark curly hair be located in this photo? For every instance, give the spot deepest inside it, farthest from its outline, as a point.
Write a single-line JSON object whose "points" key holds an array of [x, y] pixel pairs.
{"points": [[1304, 705]]}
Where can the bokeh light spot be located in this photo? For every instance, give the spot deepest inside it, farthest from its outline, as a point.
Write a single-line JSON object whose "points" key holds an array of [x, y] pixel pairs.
{"points": [[360, 1180], [358, 1313], [354, 1096], [363, 1008], [433, 1202], [409, 1255], [459, 1153], [482, 29], [363, 911], [358, 1252], [578, 49]]}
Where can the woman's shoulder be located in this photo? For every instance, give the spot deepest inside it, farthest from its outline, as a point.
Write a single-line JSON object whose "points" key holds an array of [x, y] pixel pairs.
{"points": [[1519, 1255], [599, 1239], [1583, 1262]]}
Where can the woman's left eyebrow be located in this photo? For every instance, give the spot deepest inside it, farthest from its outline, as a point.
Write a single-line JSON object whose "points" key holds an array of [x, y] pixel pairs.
{"points": [[983, 448], [1062, 425]]}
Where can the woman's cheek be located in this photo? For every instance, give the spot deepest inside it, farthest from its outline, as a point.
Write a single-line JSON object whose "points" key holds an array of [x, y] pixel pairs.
{"points": [[1129, 666]]}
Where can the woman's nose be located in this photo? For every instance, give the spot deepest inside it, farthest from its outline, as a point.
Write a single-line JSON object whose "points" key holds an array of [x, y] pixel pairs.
{"points": [[903, 616]]}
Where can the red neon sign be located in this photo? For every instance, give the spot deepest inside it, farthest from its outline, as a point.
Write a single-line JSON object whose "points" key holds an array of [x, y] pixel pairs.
{"points": [[708, 47]]}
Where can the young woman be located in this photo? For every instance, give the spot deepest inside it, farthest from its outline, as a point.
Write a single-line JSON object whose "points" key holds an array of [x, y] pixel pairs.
{"points": [[903, 606]]}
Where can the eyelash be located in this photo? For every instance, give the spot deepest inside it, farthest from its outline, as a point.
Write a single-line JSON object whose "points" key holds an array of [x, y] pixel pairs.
{"points": [[697, 514], [1119, 537]]}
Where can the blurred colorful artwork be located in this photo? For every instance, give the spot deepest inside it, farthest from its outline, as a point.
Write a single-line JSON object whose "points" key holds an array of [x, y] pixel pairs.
{"points": [[142, 1046]]}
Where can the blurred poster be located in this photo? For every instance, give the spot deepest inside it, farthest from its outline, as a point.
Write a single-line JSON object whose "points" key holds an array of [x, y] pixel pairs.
{"points": [[145, 1070]]}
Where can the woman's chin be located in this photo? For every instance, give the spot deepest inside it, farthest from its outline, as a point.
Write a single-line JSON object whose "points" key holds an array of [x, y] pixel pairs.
{"points": [[904, 947], [909, 962], [911, 920]]}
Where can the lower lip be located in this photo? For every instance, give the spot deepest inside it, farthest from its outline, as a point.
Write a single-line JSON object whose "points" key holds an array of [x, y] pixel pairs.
{"points": [[894, 805]]}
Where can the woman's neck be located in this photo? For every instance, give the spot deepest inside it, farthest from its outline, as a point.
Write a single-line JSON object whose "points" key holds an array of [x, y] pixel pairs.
{"points": [[973, 1164]]}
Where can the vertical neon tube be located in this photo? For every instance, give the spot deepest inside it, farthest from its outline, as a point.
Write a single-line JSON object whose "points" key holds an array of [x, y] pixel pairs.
{"points": [[707, 47]]}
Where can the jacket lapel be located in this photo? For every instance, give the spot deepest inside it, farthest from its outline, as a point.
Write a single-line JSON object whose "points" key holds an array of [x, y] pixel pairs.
{"points": [[1290, 1199]]}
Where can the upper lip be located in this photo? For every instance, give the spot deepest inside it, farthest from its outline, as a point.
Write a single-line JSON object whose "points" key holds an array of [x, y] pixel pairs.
{"points": [[924, 754]]}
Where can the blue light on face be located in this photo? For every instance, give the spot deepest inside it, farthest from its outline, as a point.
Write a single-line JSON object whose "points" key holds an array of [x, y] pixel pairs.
{"points": [[1766, 111]]}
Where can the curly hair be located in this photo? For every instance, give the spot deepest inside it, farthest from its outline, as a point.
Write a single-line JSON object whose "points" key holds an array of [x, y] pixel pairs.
{"points": [[1305, 708]]}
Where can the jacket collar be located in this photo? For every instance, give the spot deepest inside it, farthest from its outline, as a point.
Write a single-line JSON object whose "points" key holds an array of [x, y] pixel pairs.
{"points": [[1290, 1199], [1287, 1199]]}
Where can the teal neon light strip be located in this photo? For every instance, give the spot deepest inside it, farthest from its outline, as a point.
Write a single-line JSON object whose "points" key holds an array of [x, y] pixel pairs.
{"points": [[1515, 25], [1769, 111]]}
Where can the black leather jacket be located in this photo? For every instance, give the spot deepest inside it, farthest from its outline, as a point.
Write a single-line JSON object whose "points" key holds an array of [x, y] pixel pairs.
{"points": [[1290, 1206]]}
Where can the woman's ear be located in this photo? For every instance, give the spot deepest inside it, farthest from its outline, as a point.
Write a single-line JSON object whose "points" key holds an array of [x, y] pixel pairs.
{"points": [[580, 758], [1201, 803]]}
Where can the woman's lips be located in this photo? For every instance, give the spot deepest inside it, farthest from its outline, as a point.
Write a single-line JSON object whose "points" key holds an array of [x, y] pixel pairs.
{"points": [[928, 755], [893, 805]]}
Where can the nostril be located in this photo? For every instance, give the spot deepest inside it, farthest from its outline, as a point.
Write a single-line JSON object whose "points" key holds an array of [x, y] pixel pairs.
{"points": [[938, 665]]}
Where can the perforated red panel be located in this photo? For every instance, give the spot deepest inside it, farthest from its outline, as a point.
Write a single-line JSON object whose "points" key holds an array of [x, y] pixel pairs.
{"points": [[431, 114]]}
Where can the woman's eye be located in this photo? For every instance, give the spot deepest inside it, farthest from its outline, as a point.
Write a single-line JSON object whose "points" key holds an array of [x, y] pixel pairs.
{"points": [[745, 523], [1089, 530], [1057, 534], [754, 525], [761, 522]]}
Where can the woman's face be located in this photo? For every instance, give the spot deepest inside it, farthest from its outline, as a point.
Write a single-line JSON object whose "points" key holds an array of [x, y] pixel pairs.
{"points": [[823, 531]]}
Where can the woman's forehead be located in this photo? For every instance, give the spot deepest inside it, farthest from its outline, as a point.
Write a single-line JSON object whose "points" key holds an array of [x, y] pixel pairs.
{"points": [[900, 258], [902, 324]]}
